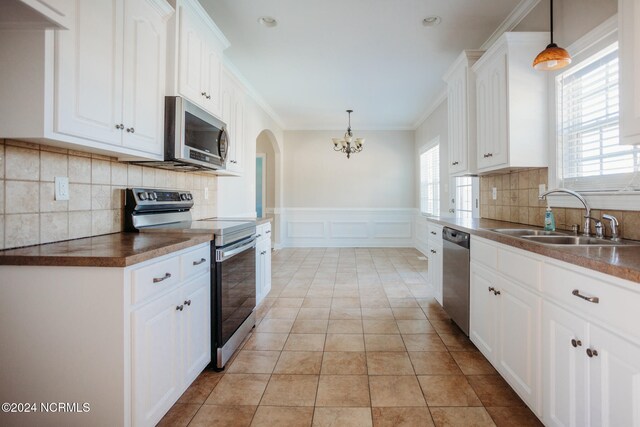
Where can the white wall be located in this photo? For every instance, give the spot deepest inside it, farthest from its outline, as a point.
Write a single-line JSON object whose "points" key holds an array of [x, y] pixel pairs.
{"points": [[367, 200], [381, 176]]}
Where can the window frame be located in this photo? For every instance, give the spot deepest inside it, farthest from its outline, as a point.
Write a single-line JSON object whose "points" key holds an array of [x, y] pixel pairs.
{"points": [[590, 44], [423, 149]]}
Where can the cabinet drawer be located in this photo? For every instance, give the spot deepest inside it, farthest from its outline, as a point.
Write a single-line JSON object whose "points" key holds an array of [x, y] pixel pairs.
{"points": [[617, 307], [435, 231], [154, 278], [263, 231], [484, 253], [519, 267], [195, 262]]}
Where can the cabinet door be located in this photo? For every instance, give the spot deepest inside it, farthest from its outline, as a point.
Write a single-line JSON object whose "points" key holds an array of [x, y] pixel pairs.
{"points": [[236, 150], [266, 284], [197, 326], [192, 48], [144, 77], [629, 36], [156, 351], [614, 380], [482, 307], [435, 268], [519, 316], [211, 79], [483, 126], [564, 379], [88, 73], [457, 102], [259, 270], [58, 11]]}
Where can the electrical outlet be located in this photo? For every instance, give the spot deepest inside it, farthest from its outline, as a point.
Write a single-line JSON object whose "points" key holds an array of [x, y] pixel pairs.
{"points": [[62, 187], [541, 189], [494, 193], [206, 193]]}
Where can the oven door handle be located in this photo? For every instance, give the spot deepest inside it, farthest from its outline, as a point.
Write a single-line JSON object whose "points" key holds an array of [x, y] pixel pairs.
{"points": [[223, 255]]}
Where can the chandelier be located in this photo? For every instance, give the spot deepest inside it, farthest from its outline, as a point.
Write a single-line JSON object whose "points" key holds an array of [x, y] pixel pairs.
{"points": [[344, 145]]}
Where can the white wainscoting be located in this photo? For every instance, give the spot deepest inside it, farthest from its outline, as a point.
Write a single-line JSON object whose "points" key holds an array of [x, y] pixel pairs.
{"points": [[335, 227]]}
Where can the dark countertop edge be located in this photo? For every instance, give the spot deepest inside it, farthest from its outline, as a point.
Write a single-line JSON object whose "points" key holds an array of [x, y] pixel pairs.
{"points": [[101, 261], [562, 254]]}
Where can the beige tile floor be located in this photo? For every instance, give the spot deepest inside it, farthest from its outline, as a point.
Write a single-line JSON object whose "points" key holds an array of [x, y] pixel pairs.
{"points": [[352, 337]]}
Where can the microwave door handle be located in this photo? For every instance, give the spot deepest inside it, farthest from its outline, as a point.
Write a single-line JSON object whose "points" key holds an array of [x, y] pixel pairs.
{"points": [[223, 255]]}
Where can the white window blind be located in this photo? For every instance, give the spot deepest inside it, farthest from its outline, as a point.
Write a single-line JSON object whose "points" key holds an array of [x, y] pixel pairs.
{"points": [[590, 157], [430, 181]]}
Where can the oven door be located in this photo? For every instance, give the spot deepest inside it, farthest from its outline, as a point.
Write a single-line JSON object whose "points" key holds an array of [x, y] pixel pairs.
{"points": [[234, 290]]}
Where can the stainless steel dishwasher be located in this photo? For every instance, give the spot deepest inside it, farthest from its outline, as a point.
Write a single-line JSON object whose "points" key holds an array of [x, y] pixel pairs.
{"points": [[455, 276]]}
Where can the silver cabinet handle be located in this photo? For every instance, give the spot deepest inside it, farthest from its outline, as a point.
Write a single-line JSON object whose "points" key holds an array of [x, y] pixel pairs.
{"points": [[120, 126], [267, 232], [433, 232], [594, 300], [576, 343], [432, 251], [455, 163], [187, 302], [592, 353], [258, 235], [199, 262], [131, 130], [160, 279], [203, 94], [180, 307]]}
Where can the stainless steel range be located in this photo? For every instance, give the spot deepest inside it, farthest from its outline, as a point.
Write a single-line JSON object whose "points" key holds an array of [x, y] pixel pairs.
{"points": [[233, 269]]}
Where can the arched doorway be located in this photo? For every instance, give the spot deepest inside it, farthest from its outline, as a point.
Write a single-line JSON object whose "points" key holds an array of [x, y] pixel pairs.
{"points": [[268, 176]]}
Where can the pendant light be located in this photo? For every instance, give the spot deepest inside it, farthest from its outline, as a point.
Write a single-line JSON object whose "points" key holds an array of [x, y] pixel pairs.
{"points": [[348, 144], [553, 57]]}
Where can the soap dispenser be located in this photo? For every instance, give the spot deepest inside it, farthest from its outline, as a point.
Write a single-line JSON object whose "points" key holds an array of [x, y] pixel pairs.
{"points": [[549, 220]]}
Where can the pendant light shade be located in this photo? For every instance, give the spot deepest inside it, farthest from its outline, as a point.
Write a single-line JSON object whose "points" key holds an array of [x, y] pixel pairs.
{"points": [[553, 57]]}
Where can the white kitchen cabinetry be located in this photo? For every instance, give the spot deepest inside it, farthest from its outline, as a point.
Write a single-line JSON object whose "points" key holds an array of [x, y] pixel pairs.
{"points": [[592, 350], [504, 321], [195, 67], [263, 261], [461, 104], [233, 114], [127, 340], [99, 85], [434, 272], [511, 104], [629, 38]]}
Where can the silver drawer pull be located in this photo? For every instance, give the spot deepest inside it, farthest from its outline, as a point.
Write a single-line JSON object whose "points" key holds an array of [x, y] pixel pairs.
{"points": [[594, 300], [267, 232], [592, 353], [433, 232], [576, 343], [160, 279], [187, 302], [199, 262], [180, 307]]}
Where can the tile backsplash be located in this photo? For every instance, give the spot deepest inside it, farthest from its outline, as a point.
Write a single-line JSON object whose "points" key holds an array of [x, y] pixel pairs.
{"points": [[29, 214], [517, 201]]}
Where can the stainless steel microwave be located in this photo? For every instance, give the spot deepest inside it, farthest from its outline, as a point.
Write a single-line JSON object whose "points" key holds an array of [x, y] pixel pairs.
{"points": [[194, 140]]}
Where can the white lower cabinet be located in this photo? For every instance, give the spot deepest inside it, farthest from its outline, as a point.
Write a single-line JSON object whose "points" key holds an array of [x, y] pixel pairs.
{"points": [[129, 341], [504, 325], [263, 262], [434, 272], [564, 337], [170, 347]]}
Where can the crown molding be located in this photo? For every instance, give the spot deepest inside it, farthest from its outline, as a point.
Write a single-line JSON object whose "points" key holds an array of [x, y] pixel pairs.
{"points": [[515, 17]]}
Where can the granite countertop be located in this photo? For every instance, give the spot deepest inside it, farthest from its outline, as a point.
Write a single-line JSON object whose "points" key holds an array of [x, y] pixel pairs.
{"points": [[110, 250], [619, 261]]}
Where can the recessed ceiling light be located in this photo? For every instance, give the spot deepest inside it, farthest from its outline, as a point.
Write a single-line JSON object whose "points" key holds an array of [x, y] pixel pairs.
{"points": [[268, 21], [431, 21]]}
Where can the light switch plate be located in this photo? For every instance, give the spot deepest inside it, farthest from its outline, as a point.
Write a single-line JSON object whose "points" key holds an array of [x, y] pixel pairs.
{"points": [[541, 189], [62, 187], [206, 193], [494, 193]]}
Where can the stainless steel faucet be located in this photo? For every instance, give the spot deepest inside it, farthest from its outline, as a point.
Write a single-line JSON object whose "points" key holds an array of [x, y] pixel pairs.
{"points": [[587, 209], [614, 226]]}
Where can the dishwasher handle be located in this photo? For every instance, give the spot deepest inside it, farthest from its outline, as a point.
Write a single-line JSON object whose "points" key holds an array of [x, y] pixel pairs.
{"points": [[456, 237]]}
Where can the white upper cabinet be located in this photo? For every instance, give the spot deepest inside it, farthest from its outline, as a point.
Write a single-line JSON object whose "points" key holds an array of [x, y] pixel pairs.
{"points": [[233, 102], [195, 60], [36, 13], [511, 102], [98, 86], [629, 37], [461, 102]]}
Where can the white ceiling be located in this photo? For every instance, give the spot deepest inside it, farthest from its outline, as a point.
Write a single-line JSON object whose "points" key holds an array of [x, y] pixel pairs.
{"points": [[373, 56]]}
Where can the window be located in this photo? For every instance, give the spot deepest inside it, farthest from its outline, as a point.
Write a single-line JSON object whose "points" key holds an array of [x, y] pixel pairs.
{"points": [[590, 157], [466, 195], [430, 180]]}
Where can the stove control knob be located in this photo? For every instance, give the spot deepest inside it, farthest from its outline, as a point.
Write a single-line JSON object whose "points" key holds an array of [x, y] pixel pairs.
{"points": [[153, 196], [189, 196], [183, 196], [143, 195]]}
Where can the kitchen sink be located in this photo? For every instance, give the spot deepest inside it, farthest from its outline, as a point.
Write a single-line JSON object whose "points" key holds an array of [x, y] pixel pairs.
{"points": [[518, 232]]}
